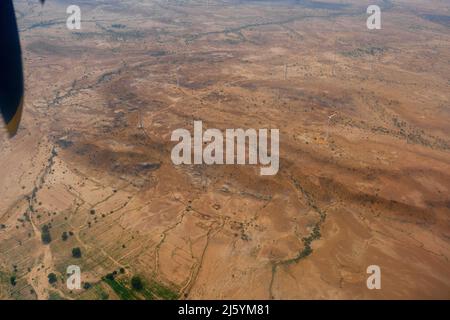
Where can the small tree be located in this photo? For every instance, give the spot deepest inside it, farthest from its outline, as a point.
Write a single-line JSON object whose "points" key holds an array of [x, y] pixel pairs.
{"points": [[52, 278], [136, 283], [76, 252], [64, 236]]}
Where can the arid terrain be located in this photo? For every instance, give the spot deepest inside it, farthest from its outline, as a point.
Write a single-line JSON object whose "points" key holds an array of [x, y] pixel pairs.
{"points": [[364, 174]]}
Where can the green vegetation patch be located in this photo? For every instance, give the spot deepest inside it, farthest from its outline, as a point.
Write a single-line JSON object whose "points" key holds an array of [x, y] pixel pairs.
{"points": [[101, 292], [139, 289], [162, 291], [121, 290], [53, 295]]}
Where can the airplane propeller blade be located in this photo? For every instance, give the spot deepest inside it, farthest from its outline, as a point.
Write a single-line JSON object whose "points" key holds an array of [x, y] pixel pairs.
{"points": [[11, 72]]}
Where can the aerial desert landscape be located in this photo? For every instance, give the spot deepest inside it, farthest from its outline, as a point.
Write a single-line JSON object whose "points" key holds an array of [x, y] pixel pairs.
{"points": [[364, 160]]}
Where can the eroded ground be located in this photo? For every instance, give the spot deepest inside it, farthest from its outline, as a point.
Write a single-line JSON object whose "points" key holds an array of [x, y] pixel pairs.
{"points": [[92, 159]]}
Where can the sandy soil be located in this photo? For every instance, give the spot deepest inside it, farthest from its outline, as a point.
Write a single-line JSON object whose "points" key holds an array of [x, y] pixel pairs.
{"points": [[92, 157]]}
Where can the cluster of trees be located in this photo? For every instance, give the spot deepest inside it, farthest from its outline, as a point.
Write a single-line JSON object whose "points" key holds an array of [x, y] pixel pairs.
{"points": [[65, 235], [136, 281], [45, 235], [110, 276]]}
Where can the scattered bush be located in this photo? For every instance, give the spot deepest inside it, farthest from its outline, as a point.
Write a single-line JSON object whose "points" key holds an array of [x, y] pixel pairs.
{"points": [[104, 296], [86, 285]]}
